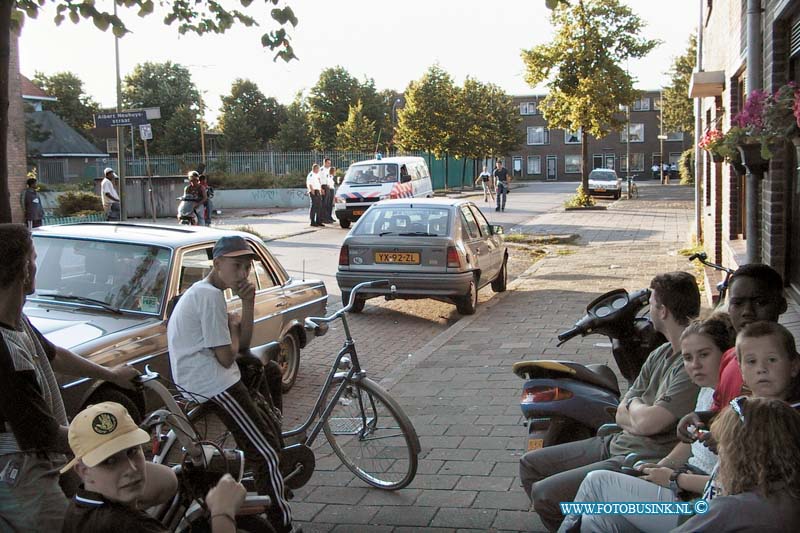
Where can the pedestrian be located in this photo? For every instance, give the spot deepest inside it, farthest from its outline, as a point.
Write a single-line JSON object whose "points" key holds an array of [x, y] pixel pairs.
{"points": [[33, 421], [332, 197], [109, 196], [328, 184], [486, 182], [502, 180], [673, 172], [33, 205], [665, 173], [655, 168], [314, 187], [209, 193]]}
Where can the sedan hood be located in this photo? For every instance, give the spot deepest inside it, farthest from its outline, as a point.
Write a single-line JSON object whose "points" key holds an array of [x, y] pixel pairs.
{"points": [[70, 328]]}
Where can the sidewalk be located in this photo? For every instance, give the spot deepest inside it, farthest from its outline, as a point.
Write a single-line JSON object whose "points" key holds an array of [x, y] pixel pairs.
{"points": [[462, 396]]}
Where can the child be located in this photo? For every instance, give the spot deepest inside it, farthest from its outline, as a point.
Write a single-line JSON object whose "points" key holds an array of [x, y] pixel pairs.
{"points": [[486, 181], [759, 450], [769, 360]]}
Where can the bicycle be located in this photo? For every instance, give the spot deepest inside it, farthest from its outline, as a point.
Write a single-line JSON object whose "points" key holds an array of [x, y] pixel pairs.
{"points": [[633, 189], [722, 286], [364, 426]]}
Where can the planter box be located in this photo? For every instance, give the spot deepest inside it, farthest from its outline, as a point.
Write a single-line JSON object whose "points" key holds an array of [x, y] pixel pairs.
{"points": [[587, 208]]}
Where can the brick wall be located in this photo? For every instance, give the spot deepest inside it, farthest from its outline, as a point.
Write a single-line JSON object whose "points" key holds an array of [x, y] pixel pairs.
{"points": [[16, 135]]}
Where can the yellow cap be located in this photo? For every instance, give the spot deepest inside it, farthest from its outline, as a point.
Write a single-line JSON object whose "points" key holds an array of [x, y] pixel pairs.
{"points": [[100, 431]]}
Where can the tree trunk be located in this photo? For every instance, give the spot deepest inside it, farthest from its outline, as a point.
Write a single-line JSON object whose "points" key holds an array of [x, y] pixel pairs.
{"points": [[584, 161], [5, 55], [446, 169], [463, 173]]}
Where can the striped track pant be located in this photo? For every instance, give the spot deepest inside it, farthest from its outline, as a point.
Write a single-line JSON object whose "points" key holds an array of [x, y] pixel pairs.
{"points": [[249, 429]]}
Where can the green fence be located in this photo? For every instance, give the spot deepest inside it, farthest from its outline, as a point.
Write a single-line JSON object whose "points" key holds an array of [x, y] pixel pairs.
{"points": [[52, 221]]}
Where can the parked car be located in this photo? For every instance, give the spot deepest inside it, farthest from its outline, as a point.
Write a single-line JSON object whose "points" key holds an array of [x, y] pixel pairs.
{"points": [[427, 248], [367, 182], [605, 181], [105, 290]]}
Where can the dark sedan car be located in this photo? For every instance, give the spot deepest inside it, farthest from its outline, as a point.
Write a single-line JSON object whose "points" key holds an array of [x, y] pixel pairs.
{"points": [[105, 290], [428, 248]]}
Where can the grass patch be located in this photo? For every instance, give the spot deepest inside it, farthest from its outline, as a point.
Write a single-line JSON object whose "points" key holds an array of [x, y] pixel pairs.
{"points": [[249, 229], [565, 251], [526, 238], [696, 248]]}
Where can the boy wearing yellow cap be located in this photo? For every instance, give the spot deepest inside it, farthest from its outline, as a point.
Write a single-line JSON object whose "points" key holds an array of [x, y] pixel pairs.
{"points": [[109, 460]]}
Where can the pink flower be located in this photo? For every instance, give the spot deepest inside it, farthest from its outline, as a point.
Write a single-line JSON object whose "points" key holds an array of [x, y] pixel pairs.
{"points": [[710, 139], [796, 107]]}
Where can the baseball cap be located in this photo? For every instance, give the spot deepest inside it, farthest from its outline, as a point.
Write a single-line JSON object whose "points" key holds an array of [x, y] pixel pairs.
{"points": [[107, 170], [231, 246], [100, 431], [193, 175]]}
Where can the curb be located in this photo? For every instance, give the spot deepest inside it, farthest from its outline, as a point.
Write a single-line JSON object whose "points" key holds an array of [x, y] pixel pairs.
{"points": [[288, 235]]}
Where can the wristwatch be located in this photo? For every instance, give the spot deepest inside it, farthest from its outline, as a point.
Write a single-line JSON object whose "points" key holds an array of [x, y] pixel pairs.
{"points": [[673, 481]]}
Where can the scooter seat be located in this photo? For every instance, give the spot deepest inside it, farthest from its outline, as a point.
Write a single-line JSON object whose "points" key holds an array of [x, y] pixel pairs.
{"points": [[599, 375], [605, 377]]}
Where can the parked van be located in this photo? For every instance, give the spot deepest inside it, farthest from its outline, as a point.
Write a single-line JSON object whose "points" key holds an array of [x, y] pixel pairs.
{"points": [[367, 182]]}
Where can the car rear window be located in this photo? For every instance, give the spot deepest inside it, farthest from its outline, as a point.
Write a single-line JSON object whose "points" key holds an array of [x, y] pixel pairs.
{"points": [[132, 277], [602, 175], [371, 174], [411, 221]]}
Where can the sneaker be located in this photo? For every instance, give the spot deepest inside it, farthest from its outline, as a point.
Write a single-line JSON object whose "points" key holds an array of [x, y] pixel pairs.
{"points": [[497, 209]]}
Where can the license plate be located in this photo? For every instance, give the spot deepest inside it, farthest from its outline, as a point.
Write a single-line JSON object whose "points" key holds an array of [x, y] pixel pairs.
{"points": [[411, 258], [535, 444], [599, 190], [358, 212]]}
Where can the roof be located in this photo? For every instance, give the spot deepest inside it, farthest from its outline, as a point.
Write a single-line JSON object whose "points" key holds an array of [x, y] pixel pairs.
{"points": [[63, 140], [152, 234], [441, 201], [30, 91], [396, 160]]}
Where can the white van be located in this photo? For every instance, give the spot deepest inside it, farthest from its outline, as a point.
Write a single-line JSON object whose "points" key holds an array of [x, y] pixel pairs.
{"points": [[367, 182]]}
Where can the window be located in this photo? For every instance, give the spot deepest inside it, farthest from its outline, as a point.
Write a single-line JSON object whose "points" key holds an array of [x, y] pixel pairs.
{"points": [[528, 108], [534, 164], [410, 221], [674, 136], [657, 103], [516, 166], [485, 229], [636, 133], [538, 135], [470, 224], [572, 137], [572, 164], [643, 104], [637, 163]]}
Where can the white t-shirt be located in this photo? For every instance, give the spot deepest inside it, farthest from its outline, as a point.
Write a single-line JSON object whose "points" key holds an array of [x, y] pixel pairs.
{"points": [[107, 187], [198, 324], [702, 457], [313, 182], [326, 172]]}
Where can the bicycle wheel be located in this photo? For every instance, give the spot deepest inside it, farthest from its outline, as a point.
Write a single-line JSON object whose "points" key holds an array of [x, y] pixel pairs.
{"points": [[209, 426], [372, 435]]}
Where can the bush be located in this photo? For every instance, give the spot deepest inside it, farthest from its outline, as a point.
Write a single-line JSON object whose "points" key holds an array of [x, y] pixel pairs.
{"points": [[686, 167], [72, 203], [84, 186], [258, 180], [581, 199]]}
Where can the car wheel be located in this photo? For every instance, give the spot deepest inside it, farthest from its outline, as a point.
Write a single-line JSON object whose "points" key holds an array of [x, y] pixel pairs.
{"points": [[358, 305], [467, 304], [110, 394], [345, 223], [289, 361], [617, 195], [500, 283]]}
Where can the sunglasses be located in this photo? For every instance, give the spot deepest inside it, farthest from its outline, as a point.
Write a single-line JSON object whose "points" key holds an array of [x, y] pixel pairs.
{"points": [[737, 404]]}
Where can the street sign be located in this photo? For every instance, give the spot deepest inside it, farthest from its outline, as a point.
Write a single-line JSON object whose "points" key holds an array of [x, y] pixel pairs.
{"points": [[662, 137], [123, 118], [145, 132]]}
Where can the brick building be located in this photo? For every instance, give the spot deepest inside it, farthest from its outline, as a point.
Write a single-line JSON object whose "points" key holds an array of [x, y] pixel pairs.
{"points": [[721, 87], [555, 155]]}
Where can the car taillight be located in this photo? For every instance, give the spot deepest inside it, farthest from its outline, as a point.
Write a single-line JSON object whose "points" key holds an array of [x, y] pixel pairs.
{"points": [[544, 394], [453, 257], [344, 256]]}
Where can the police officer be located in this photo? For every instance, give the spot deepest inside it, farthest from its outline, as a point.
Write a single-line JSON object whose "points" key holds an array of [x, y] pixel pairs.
{"points": [[314, 187]]}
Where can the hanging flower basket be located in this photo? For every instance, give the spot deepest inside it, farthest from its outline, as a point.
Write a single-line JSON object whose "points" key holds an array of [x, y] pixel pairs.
{"points": [[752, 158], [717, 158]]}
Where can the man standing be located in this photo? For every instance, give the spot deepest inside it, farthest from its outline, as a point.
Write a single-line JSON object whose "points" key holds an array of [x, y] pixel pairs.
{"points": [[109, 196], [502, 179], [33, 422], [648, 412], [33, 205], [328, 185], [208, 207], [314, 187]]}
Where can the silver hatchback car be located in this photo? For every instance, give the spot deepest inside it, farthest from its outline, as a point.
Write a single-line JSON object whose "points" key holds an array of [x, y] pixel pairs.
{"points": [[427, 248]]}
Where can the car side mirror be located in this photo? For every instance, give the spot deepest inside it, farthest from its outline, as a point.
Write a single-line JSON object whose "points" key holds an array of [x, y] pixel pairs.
{"points": [[497, 230]]}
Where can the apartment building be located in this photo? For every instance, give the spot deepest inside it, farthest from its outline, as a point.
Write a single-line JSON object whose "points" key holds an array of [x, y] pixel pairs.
{"points": [[555, 154]]}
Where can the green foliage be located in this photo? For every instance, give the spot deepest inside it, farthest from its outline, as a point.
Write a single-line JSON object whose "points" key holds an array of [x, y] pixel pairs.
{"points": [[580, 199], [249, 229], [583, 65], [170, 87], [356, 133], [73, 106], [686, 166], [294, 134], [428, 119], [678, 108], [71, 203], [249, 119], [81, 186], [258, 180]]}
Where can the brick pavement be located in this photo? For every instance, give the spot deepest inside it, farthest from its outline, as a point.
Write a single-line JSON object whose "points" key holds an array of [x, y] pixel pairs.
{"points": [[462, 396]]}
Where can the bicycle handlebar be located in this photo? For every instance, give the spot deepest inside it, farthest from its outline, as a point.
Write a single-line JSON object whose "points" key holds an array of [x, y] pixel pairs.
{"points": [[313, 322]]}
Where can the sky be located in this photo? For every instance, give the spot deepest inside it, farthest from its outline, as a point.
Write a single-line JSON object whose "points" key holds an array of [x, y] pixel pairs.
{"points": [[390, 42]]}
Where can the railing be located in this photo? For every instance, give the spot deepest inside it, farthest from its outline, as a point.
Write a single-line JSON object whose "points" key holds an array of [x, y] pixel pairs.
{"points": [[51, 221]]}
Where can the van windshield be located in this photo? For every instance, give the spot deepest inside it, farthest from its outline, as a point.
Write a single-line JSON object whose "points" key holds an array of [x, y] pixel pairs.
{"points": [[371, 174]]}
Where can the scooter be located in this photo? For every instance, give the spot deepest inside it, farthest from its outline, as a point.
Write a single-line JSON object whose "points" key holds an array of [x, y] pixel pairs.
{"points": [[563, 401], [186, 213]]}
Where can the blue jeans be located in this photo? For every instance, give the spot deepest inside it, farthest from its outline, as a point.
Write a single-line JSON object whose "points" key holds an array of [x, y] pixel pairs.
{"points": [[502, 191]]}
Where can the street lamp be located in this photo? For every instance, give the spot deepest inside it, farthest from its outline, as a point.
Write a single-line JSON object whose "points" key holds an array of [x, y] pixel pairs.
{"points": [[661, 136]]}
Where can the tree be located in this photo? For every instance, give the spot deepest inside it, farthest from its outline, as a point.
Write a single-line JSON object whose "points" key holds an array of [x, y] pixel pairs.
{"points": [[208, 16], [356, 134], [73, 106], [180, 132], [168, 86], [678, 109], [294, 134], [391, 101], [427, 120], [586, 84], [249, 119]]}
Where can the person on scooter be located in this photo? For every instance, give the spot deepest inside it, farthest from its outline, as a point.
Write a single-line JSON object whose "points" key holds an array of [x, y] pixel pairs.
{"points": [[113, 495], [686, 469], [647, 413], [196, 191], [755, 293]]}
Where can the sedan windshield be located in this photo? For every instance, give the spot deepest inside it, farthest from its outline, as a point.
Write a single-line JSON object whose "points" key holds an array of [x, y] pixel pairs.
{"points": [[602, 175], [371, 174], [114, 276], [411, 221]]}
